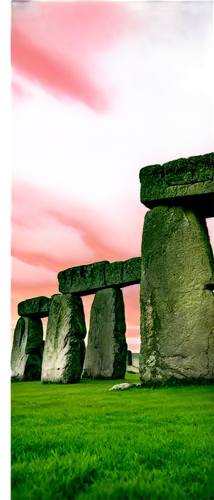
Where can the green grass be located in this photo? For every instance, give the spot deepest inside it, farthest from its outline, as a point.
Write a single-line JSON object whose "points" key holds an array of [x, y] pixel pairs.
{"points": [[82, 442]]}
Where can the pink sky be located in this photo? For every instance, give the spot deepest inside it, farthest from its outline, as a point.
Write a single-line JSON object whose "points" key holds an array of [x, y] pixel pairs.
{"points": [[99, 91]]}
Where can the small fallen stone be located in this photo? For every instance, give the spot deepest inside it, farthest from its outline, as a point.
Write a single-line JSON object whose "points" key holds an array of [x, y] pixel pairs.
{"points": [[124, 386]]}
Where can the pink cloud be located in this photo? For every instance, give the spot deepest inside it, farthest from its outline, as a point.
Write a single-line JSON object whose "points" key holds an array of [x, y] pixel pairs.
{"points": [[65, 44], [59, 46]]}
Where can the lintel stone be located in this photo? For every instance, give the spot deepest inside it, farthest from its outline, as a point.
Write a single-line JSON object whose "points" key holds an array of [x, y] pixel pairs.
{"points": [[37, 307], [83, 279], [88, 279], [114, 273], [187, 182]]}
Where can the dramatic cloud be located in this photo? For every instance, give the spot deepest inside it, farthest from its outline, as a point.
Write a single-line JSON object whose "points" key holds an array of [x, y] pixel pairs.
{"points": [[101, 90]]}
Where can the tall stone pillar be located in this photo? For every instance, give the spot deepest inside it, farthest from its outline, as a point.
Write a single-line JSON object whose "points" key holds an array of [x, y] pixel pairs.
{"points": [[177, 302], [26, 356], [107, 349], [64, 349]]}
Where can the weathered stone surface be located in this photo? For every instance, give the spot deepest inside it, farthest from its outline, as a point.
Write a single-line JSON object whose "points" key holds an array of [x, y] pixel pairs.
{"points": [[131, 271], [64, 350], [26, 356], [122, 387], [132, 369], [114, 273], [185, 182], [129, 357], [35, 307], [135, 359], [177, 310], [83, 279], [107, 349]]}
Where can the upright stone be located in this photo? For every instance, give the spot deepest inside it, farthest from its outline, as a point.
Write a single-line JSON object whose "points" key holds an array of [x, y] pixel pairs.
{"points": [[129, 358], [26, 356], [64, 349], [107, 349], [177, 303]]}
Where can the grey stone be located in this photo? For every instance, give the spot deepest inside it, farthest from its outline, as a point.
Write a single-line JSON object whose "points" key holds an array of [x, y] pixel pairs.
{"points": [[26, 356], [107, 349], [185, 182], [177, 308], [132, 369], [64, 349], [122, 387], [35, 307]]}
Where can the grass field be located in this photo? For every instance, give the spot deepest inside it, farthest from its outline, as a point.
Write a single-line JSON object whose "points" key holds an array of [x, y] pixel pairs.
{"points": [[82, 442]]}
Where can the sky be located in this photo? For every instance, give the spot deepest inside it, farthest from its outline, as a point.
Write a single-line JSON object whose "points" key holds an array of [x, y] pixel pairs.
{"points": [[99, 90]]}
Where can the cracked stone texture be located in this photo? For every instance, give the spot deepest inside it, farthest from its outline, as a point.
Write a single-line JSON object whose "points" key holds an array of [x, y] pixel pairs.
{"points": [[35, 307], [107, 349], [64, 349], [83, 279], [177, 310], [185, 182], [26, 356]]}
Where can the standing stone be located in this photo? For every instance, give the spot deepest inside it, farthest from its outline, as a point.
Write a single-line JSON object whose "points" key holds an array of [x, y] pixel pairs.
{"points": [[129, 358], [64, 349], [107, 349], [177, 304], [26, 356]]}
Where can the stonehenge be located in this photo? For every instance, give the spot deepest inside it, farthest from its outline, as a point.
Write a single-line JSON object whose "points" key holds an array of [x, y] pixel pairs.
{"points": [[176, 276], [64, 350]]}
